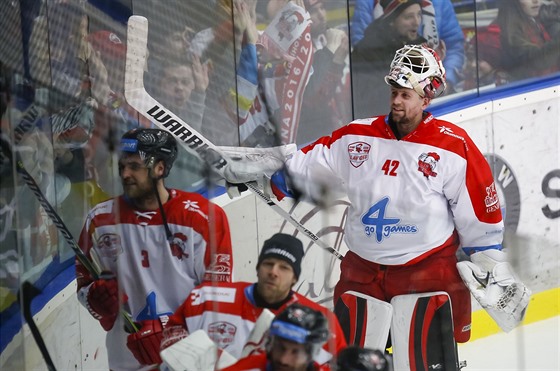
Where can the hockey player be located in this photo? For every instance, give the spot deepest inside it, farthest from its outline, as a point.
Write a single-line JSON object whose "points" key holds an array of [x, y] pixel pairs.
{"points": [[355, 358], [418, 188], [154, 245], [228, 312], [294, 338]]}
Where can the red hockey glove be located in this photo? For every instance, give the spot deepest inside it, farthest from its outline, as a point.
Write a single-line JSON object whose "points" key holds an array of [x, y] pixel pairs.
{"points": [[103, 299], [145, 344]]}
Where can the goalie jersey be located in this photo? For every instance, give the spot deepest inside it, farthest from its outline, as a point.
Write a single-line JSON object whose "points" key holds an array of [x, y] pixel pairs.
{"points": [[227, 312], [407, 196]]}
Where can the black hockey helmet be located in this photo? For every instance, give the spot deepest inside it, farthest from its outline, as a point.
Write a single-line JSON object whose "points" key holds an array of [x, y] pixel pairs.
{"points": [[152, 145], [355, 358], [302, 325]]}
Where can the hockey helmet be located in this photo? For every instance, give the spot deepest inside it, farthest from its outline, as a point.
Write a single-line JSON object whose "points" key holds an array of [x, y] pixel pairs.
{"points": [[152, 145], [302, 325], [417, 67], [355, 358]]}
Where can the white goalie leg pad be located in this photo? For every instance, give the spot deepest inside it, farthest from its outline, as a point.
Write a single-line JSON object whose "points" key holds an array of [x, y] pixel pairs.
{"points": [[196, 352], [498, 290], [364, 319], [422, 332], [257, 337]]}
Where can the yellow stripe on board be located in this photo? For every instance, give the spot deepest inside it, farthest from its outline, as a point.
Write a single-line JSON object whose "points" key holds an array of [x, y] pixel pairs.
{"points": [[543, 305]]}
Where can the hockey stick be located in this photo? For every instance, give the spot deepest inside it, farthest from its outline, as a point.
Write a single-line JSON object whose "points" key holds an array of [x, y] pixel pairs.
{"points": [[28, 292], [59, 223], [137, 96]]}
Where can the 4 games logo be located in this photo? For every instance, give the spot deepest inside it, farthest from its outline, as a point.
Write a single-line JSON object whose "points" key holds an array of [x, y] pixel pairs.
{"points": [[380, 226]]}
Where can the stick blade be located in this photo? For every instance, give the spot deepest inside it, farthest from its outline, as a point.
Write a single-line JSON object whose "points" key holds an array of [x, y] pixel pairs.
{"points": [[136, 55]]}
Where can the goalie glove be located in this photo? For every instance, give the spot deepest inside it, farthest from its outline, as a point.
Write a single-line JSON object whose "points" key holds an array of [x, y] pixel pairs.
{"points": [[492, 282], [251, 164]]}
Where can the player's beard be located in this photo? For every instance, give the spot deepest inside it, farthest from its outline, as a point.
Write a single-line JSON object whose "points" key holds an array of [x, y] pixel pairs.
{"points": [[400, 117], [139, 190]]}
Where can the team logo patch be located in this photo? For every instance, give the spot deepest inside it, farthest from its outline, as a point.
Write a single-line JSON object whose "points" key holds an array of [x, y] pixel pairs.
{"points": [[219, 269], [222, 333], [508, 190], [109, 245], [358, 152], [492, 200], [427, 163], [178, 246]]}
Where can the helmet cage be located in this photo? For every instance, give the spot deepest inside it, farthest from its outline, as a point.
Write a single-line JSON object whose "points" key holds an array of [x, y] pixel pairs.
{"points": [[419, 68]]}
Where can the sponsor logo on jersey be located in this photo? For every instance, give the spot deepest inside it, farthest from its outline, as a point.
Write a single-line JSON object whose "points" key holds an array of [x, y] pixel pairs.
{"points": [[221, 265], [109, 245], [447, 131], [427, 163], [508, 190], [210, 293], [358, 152], [492, 200], [194, 207], [378, 225], [222, 333], [178, 246]]}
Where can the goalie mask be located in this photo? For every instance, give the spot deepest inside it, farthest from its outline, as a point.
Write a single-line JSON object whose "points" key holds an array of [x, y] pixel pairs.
{"points": [[301, 325], [419, 68], [152, 145]]}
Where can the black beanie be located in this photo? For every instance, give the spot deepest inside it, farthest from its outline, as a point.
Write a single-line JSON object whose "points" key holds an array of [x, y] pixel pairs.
{"points": [[285, 247]]}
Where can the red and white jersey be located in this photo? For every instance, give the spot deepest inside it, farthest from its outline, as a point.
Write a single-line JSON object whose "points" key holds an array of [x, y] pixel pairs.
{"points": [[155, 274], [407, 196], [227, 312]]}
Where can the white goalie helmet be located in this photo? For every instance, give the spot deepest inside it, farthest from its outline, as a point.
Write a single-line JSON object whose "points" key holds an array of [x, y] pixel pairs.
{"points": [[417, 67]]}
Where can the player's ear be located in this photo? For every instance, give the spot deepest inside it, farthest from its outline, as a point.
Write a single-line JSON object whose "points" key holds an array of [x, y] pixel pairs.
{"points": [[159, 169], [426, 102]]}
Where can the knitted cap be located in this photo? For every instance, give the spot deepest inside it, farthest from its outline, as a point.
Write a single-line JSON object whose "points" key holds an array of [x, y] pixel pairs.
{"points": [[392, 8], [285, 247]]}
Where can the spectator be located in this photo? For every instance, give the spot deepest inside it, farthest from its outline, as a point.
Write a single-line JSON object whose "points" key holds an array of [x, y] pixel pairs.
{"points": [[371, 56], [440, 28], [263, 102], [294, 340], [527, 48], [549, 15], [483, 59], [238, 305], [327, 98], [182, 88], [174, 43], [154, 245]]}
